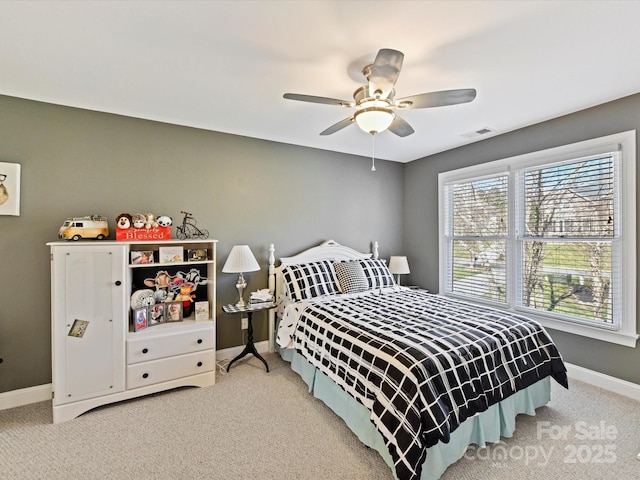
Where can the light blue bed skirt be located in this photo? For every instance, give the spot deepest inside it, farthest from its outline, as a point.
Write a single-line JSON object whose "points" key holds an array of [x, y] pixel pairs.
{"points": [[486, 427]]}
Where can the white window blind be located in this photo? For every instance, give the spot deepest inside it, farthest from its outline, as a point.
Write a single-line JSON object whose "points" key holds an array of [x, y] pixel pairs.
{"points": [[567, 239], [477, 236], [551, 233]]}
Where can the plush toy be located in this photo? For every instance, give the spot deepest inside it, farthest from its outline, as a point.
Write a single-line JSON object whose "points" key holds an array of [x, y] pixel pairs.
{"points": [[181, 286], [186, 295], [164, 221], [150, 221], [138, 220], [162, 283], [123, 221]]}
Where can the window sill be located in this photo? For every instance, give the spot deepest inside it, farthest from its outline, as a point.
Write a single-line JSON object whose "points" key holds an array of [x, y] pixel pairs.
{"points": [[611, 336], [627, 339]]}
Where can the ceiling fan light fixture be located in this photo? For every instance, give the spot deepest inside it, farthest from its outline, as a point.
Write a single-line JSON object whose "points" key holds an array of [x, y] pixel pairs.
{"points": [[375, 102], [374, 119]]}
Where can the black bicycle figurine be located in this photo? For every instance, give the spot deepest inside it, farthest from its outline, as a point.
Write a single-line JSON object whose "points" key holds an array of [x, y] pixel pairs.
{"points": [[188, 228]]}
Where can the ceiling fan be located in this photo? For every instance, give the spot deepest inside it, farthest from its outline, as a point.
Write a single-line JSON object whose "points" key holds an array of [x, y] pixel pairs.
{"points": [[375, 103]]}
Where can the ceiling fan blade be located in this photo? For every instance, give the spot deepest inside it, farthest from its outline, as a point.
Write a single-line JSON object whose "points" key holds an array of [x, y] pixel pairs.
{"points": [[314, 99], [338, 126], [385, 71], [437, 99], [400, 127]]}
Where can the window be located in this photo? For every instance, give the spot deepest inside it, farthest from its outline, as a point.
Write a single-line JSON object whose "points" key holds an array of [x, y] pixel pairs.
{"points": [[550, 234], [479, 238]]}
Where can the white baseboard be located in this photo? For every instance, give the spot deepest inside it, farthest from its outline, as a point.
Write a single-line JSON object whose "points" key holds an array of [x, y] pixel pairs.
{"points": [[25, 396], [229, 353], [40, 393], [597, 379]]}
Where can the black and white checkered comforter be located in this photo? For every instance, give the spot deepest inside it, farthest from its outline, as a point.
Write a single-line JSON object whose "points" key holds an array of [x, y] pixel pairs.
{"points": [[423, 363]]}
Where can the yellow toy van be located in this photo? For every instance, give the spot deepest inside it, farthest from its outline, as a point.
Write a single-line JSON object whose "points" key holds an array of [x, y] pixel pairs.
{"points": [[91, 226]]}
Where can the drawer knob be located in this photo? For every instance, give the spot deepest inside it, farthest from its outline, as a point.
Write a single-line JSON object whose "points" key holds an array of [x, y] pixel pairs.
{"points": [[145, 375], [199, 364], [199, 340], [118, 283], [145, 350]]}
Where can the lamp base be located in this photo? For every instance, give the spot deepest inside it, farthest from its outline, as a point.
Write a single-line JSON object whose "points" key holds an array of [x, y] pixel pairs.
{"points": [[241, 285]]}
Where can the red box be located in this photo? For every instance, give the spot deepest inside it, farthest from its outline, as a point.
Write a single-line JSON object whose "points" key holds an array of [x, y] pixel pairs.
{"points": [[137, 234]]}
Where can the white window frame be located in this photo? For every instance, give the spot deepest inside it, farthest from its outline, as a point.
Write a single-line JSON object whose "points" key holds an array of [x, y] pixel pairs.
{"points": [[626, 331]]}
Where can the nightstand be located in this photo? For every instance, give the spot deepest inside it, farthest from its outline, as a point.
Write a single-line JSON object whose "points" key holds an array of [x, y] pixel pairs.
{"points": [[416, 287], [249, 308]]}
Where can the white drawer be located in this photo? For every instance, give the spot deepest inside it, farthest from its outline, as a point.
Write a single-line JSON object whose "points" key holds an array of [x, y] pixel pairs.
{"points": [[168, 342], [156, 371]]}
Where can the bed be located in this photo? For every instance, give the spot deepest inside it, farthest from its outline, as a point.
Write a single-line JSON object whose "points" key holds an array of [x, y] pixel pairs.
{"points": [[416, 376]]}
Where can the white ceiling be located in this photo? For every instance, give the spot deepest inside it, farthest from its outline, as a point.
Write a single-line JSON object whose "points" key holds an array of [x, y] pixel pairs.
{"points": [[224, 65]]}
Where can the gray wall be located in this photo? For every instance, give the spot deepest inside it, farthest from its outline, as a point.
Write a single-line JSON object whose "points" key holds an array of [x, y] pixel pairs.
{"points": [[421, 212], [243, 190], [77, 162]]}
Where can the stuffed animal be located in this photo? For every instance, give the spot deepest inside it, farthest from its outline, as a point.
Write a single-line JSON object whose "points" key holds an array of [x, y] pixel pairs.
{"points": [[164, 221], [138, 220], [186, 295], [150, 221], [123, 221]]}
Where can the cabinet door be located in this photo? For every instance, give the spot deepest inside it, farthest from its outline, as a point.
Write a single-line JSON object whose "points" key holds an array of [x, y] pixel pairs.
{"points": [[89, 321]]}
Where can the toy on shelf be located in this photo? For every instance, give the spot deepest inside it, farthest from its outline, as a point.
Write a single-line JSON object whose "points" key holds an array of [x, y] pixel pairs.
{"points": [[142, 226], [188, 228], [89, 227]]}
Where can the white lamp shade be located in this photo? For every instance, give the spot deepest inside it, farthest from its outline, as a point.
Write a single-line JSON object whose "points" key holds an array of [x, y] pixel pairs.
{"points": [[399, 265], [240, 260]]}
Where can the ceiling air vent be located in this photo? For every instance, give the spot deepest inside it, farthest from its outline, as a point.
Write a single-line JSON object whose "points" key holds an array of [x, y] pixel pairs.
{"points": [[479, 133]]}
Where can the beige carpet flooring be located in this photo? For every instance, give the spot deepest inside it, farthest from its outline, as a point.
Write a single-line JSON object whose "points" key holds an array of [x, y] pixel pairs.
{"points": [[258, 425]]}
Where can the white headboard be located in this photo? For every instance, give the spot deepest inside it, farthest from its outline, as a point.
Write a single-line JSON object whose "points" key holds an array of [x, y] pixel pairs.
{"points": [[328, 250]]}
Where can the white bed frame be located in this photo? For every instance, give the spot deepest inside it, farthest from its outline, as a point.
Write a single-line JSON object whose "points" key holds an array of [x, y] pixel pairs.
{"points": [[328, 250]]}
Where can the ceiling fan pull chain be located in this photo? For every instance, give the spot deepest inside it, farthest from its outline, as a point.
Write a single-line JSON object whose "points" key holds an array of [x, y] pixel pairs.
{"points": [[373, 151]]}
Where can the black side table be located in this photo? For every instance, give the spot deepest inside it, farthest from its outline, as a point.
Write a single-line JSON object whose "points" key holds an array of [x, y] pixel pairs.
{"points": [[249, 308]]}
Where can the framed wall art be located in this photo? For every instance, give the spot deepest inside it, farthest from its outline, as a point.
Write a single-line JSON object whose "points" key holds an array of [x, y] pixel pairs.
{"points": [[9, 189]]}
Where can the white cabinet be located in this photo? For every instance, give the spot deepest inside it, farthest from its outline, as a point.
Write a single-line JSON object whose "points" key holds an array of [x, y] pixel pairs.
{"points": [[97, 357], [88, 286]]}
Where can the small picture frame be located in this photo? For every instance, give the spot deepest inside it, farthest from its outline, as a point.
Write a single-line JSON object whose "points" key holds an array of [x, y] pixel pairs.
{"points": [[140, 319], [202, 311], [157, 314], [173, 312], [78, 328], [141, 257], [196, 254], [171, 254]]}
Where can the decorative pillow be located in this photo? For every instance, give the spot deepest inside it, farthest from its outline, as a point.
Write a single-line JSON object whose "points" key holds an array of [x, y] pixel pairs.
{"points": [[351, 277], [377, 273], [308, 280]]}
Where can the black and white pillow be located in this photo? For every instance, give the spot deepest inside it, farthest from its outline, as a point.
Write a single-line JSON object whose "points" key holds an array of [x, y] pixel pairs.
{"points": [[350, 277], [377, 273], [309, 280]]}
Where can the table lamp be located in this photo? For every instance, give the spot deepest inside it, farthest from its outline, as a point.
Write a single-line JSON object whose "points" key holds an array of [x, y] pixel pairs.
{"points": [[240, 260], [399, 266]]}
